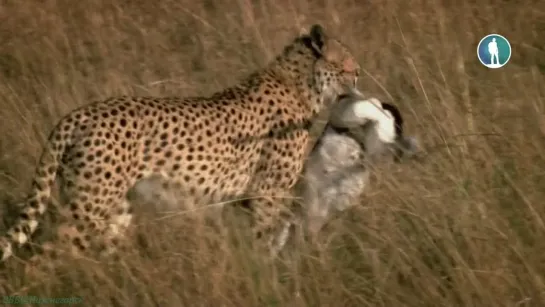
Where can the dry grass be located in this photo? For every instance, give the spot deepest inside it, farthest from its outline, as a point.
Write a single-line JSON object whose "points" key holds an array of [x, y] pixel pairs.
{"points": [[462, 227]]}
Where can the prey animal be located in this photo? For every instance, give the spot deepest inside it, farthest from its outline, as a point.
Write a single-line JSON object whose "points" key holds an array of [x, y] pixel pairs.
{"points": [[360, 131]]}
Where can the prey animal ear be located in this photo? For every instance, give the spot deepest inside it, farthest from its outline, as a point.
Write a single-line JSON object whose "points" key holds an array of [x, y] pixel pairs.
{"points": [[406, 147], [353, 110], [398, 119], [368, 109], [410, 145], [371, 110]]}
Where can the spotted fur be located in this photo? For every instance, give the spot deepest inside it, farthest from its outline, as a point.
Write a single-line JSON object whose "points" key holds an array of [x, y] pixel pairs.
{"points": [[248, 139]]}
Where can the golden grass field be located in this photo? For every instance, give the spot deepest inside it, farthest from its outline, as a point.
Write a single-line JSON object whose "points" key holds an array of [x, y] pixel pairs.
{"points": [[462, 226]]}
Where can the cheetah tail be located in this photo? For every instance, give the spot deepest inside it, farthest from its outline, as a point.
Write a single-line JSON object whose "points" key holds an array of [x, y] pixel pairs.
{"points": [[36, 203]]}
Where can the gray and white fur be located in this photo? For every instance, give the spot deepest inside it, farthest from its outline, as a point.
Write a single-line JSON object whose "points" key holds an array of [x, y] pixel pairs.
{"points": [[337, 171]]}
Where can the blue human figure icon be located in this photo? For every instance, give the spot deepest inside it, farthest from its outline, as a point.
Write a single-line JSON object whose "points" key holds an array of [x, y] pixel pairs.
{"points": [[494, 52]]}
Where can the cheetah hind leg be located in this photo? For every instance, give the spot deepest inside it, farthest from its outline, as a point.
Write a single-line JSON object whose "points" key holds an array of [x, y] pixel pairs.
{"points": [[96, 234], [41, 265], [115, 238], [55, 253]]}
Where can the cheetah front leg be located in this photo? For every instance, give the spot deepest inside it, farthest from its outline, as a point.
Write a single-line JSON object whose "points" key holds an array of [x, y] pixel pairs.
{"points": [[272, 223]]}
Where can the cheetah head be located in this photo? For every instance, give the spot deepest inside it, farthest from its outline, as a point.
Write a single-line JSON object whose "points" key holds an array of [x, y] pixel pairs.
{"points": [[335, 70]]}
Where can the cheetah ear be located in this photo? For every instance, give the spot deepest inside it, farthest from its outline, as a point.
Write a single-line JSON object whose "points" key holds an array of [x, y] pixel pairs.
{"points": [[317, 38]]}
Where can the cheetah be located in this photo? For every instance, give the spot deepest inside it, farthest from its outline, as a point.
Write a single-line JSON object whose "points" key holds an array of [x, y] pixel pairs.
{"points": [[338, 168], [336, 172], [247, 139]]}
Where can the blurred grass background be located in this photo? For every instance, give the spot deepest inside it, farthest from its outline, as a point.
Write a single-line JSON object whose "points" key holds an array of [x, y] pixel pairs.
{"points": [[460, 227]]}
